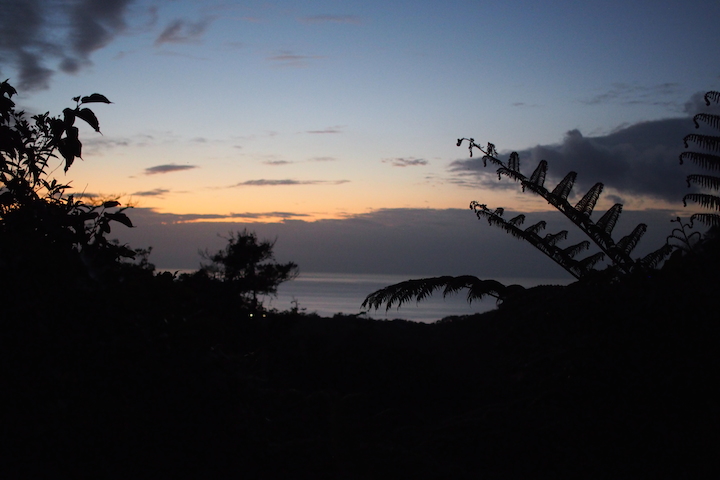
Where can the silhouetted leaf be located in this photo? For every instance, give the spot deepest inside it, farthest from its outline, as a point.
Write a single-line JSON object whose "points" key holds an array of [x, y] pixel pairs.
{"points": [[89, 117], [95, 98], [69, 117], [121, 218], [111, 204]]}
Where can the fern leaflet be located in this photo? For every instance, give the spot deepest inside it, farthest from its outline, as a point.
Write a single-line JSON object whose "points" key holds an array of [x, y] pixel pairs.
{"points": [[586, 205], [519, 220], [712, 96], [708, 142], [573, 250], [588, 262], [704, 199], [705, 181], [629, 242], [609, 219], [536, 227], [538, 176], [704, 160], [553, 238], [653, 259], [707, 118], [514, 162], [709, 219], [562, 190]]}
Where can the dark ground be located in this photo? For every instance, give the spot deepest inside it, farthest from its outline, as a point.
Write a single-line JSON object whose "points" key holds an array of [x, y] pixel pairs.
{"points": [[586, 381]]}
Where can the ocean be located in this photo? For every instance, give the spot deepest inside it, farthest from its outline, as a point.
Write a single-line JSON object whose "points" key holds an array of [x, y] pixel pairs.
{"points": [[329, 293]]}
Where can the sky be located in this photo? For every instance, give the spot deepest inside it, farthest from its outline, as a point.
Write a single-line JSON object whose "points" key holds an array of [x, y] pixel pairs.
{"points": [[332, 125]]}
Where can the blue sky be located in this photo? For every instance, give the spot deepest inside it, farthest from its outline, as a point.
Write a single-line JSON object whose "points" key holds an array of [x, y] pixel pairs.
{"points": [[272, 112]]}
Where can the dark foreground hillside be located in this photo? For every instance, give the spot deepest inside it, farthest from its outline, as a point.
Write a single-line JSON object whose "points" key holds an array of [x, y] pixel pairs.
{"points": [[578, 382]]}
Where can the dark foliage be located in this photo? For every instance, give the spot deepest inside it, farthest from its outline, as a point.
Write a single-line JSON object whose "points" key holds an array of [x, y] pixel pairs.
{"points": [[144, 375], [46, 235], [246, 266]]}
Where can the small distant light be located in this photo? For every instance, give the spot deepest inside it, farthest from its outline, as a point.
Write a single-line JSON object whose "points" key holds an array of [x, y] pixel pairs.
{"points": [[251, 314]]}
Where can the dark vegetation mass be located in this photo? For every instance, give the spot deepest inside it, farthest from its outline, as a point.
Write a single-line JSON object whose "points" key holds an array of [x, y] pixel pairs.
{"points": [[110, 369]]}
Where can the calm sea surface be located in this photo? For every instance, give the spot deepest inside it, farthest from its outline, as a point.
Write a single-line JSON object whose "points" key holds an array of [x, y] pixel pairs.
{"points": [[329, 293]]}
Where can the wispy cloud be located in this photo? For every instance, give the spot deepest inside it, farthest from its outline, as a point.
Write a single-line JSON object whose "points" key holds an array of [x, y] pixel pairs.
{"points": [[29, 35], [158, 192], [405, 162], [290, 59], [183, 31], [524, 105], [285, 182], [352, 19], [335, 129], [626, 94], [167, 168], [276, 163]]}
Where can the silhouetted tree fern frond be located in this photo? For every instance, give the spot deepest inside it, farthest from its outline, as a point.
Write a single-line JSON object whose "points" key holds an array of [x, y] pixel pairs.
{"points": [[708, 160], [599, 233], [420, 289]]}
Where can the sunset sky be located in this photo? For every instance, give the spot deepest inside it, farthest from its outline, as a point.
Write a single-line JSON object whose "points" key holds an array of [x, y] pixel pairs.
{"points": [[318, 116]]}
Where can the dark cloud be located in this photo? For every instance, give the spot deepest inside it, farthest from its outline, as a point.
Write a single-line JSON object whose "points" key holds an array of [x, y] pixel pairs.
{"points": [[416, 242], [29, 39], [168, 168], [275, 183], [640, 160], [352, 19], [405, 162], [183, 31], [158, 192]]}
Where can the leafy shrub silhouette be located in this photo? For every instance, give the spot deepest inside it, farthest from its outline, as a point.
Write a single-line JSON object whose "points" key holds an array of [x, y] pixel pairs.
{"points": [[43, 231], [598, 232]]}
